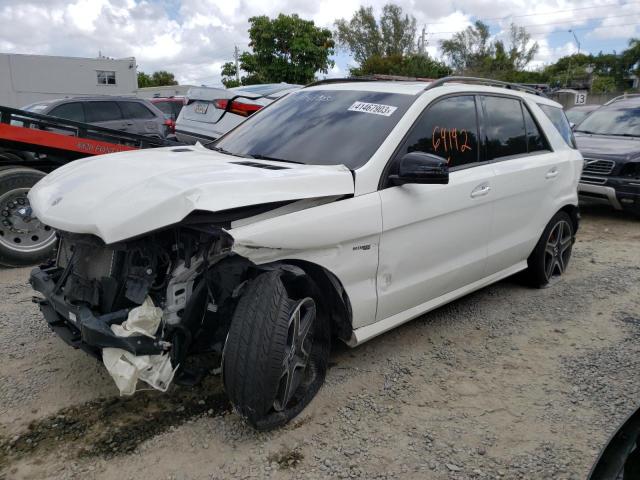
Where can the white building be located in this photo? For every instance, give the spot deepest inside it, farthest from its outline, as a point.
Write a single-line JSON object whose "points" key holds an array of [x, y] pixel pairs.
{"points": [[26, 79]]}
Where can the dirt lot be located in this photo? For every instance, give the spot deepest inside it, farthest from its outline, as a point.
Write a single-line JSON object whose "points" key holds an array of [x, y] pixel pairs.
{"points": [[508, 382]]}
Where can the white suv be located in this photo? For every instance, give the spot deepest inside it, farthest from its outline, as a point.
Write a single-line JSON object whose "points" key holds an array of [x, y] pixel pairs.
{"points": [[339, 211]]}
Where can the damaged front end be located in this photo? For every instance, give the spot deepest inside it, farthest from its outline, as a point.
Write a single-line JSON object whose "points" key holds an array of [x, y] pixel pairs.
{"points": [[144, 305]]}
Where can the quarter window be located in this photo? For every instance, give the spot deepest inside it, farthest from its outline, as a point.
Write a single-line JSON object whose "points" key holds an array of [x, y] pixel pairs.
{"points": [[448, 129], [559, 120], [106, 77], [69, 111], [505, 130], [102, 112]]}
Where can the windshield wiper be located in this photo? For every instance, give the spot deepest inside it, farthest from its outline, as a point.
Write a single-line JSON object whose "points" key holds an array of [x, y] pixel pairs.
{"points": [[585, 131], [226, 152], [258, 156]]}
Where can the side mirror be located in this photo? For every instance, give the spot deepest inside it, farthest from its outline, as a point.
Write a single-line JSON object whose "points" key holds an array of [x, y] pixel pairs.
{"points": [[420, 167]]}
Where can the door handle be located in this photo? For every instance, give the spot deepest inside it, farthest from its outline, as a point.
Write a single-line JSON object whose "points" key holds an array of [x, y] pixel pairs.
{"points": [[480, 191], [553, 173]]}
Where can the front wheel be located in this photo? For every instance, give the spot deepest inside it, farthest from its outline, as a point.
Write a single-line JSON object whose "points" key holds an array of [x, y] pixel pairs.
{"points": [[276, 353], [24, 240], [550, 258]]}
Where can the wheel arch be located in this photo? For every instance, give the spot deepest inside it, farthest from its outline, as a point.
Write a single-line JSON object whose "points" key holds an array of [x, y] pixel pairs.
{"points": [[574, 213], [335, 296]]}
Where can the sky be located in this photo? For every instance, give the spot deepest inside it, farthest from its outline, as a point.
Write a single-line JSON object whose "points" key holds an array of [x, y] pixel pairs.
{"points": [[193, 38]]}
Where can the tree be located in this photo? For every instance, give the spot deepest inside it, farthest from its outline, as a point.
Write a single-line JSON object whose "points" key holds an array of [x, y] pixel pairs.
{"points": [[365, 37], [414, 65], [286, 49], [161, 78], [472, 52], [230, 75]]}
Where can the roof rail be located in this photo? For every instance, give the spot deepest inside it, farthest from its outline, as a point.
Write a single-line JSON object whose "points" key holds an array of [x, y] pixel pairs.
{"points": [[483, 81], [622, 97], [370, 78]]}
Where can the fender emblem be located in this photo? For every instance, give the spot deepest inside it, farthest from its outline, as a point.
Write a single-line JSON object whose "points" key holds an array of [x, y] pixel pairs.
{"points": [[362, 247]]}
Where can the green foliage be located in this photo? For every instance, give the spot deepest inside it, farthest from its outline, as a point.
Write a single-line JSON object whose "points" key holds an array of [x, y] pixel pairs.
{"points": [[230, 75], [161, 78], [365, 37], [471, 52], [413, 65], [286, 49], [603, 84]]}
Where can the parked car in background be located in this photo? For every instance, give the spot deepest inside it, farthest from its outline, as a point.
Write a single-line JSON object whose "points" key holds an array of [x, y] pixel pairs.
{"points": [[171, 107], [576, 114], [128, 114], [609, 139], [345, 209], [209, 113]]}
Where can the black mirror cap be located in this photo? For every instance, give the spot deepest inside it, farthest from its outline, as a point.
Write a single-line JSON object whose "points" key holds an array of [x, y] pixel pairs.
{"points": [[421, 167]]}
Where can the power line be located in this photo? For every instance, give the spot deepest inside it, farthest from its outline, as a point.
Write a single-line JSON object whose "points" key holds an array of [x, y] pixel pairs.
{"points": [[567, 23], [550, 12]]}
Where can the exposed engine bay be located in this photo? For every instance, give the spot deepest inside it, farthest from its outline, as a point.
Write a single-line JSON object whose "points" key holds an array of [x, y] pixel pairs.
{"points": [[144, 305]]}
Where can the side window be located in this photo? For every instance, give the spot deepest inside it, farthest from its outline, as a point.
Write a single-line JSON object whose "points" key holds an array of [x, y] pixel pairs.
{"points": [[536, 142], [448, 129], [505, 131], [559, 120], [135, 110], [102, 111], [69, 111]]}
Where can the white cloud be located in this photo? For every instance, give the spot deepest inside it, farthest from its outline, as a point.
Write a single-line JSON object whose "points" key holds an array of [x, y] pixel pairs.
{"points": [[193, 38]]}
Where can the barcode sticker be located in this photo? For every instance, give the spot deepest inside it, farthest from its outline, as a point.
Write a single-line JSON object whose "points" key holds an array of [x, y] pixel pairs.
{"points": [[374, 108]]}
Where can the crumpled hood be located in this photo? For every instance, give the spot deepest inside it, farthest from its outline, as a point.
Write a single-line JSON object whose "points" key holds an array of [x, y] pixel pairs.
{"points": [[127, 194], [602, 146]]}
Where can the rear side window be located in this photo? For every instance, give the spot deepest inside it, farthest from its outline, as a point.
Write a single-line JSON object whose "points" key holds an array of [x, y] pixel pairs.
{"points": [[505, 130], [102, 111], [559, 120], [165, 107], [448, 129], [69, 111], [135, 110], [536, 142]]}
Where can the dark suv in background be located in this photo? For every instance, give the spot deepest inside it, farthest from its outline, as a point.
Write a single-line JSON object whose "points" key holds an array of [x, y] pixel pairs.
{"points": [[128, 114], [609, 140]]}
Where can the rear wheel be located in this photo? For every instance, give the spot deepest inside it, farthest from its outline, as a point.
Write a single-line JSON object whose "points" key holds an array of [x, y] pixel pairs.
{"points": [[550, 258], [24, 240], [277, 349]]}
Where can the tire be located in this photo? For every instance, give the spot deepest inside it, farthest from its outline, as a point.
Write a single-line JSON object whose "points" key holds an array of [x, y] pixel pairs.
{"points": [[260, 350], [550, 258], [23, 239]]}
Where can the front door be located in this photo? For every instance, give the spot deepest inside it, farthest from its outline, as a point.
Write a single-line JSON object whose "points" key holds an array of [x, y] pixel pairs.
{"points": [[434, 237]]}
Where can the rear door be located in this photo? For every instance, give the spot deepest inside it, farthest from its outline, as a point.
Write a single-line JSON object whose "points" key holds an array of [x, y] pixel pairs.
{"points": [[104, 113], [139, 119], [526, 170], [434, 238]]}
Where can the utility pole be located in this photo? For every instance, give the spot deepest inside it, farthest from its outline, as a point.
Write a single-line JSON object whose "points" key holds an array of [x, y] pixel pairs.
{"points": [[576, 39], [236, 56], [422, 46]]}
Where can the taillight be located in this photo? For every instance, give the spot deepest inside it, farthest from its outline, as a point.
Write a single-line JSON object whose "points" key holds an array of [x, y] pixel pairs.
{"points": [[171, 125], [239, 108]]}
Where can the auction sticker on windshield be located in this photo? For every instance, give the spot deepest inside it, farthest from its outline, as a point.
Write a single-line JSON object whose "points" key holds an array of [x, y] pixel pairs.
{"points": [[375, 108]]}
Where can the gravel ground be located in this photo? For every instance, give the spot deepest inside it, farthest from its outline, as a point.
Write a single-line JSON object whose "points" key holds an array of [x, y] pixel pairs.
{"points": [[508, 382]]}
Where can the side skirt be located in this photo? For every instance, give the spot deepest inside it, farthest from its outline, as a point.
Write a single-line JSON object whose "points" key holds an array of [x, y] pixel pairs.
{"points": [[362, 334]]}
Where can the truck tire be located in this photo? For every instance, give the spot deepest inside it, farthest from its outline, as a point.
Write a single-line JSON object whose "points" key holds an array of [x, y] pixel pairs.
{"points": [[23, 239], [552, 253], [276, 354]]}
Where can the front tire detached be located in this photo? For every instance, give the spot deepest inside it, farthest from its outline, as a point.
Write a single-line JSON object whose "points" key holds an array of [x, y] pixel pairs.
{"points": [[23, 239], [277, 350], [550, 258]]}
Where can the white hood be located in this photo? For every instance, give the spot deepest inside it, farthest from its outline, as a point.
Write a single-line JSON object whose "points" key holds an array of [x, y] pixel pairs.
{"points": [[126, 194]]}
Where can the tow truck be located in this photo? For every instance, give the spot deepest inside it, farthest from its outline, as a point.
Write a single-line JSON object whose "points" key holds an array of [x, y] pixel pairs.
{"points": [[32, 145]]}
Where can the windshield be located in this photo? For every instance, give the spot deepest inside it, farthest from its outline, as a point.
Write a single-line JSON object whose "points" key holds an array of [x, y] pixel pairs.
{"points": [[319, 127], [613, 121], [576, 116]]}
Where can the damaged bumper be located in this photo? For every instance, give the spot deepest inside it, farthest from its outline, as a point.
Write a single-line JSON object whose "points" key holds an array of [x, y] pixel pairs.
{"points": [[79, 327]]}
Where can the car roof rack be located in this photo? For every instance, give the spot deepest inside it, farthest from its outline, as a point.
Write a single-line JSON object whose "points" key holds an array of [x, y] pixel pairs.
{"points": [[483, 81], [370, 78], [622, 97]]}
